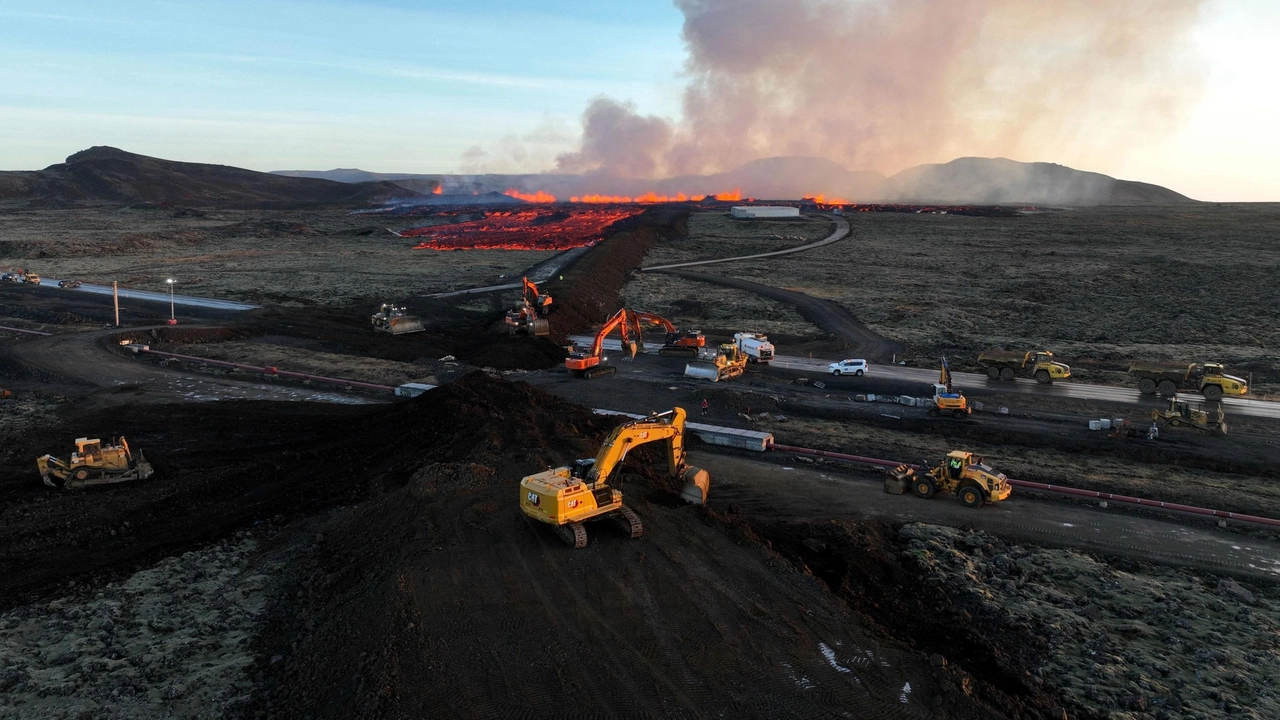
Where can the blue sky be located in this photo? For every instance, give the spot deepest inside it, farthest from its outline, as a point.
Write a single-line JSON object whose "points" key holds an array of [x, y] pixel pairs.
{"points": [[400, 86], [396, 86]]}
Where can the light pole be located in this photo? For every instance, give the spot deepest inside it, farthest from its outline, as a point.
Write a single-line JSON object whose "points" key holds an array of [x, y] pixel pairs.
{"points": [[172, 320]]}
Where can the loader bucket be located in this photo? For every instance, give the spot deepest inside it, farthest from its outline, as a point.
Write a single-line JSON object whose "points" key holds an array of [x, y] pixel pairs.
{"points": [[702, 371], [697, 482], [406, 324]]}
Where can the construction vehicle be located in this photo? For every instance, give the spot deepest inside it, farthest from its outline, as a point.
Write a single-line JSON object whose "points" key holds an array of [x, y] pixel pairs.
{"points": [[534, 299], [972, 481], [395, 320], [31, 278], [685, 344], [93, 463], [1180, 414], [588, 362], [567, 497], [947, 401], [1010, 364], [523, 320], [729, 363], [755, 346], [1208, 379]]}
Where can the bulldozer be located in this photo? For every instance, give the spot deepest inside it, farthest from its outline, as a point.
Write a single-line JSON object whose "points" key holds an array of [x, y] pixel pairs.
{"points": [[567, 497], [93, 463], [947, 401], [973, 482], [395, 320], [729, 363], [1180, 414]]}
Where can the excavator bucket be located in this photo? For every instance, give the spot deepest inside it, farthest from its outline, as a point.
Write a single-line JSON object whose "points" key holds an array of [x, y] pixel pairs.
{"points": [[540, 327], [697, 482], [702, 371], [630, 347]]}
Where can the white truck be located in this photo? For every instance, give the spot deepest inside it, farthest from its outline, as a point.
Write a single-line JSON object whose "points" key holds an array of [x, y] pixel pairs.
{"points": [[755, 346]]}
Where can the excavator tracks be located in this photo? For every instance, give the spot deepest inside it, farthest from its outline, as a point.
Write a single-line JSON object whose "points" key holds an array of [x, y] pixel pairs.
{"points": [[574, 534], [599, 371], [626, 519]]}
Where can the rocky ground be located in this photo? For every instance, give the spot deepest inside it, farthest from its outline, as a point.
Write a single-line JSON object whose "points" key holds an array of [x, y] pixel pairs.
{"points": [[172, 640], [1123, 639]]}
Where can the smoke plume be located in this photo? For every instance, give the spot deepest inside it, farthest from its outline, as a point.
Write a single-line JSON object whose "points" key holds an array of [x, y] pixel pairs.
{"points": [[886, 84]]}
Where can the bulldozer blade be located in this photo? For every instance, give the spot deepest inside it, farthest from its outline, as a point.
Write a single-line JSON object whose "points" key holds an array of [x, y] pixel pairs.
{"points": [[702, 370], [403, 325], [697, 483]]}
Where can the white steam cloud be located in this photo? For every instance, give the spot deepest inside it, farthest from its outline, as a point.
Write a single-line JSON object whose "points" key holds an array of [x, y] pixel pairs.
{"points": [[886, 84]]}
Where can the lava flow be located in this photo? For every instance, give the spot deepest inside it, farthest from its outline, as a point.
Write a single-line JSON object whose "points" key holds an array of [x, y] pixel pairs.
{"points": [[523, 229], [537, 197], [652, 197]]}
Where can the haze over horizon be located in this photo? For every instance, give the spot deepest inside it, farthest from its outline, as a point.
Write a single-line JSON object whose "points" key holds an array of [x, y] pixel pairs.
{"points": [[1172, 93]]}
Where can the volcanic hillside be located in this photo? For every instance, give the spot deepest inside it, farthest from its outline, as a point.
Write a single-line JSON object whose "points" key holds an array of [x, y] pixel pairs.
{"points": [[106, 174], [964, 181]]}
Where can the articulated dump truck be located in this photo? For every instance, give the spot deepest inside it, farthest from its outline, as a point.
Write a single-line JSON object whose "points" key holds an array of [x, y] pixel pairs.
{"points": [[1010, 364], [1167, 379]]}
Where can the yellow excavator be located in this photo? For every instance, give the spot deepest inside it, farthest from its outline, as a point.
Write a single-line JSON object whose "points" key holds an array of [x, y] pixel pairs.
{"points": [[93, 463], [567, 497], [947, 401]]}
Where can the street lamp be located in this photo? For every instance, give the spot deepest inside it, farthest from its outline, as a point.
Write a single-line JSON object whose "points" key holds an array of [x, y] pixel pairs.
{"points": [[172, 320]]}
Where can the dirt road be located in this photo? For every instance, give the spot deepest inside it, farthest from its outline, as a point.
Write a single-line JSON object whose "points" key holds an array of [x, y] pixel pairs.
{"points": [[794, 490], [823, 313], [841, 230]]}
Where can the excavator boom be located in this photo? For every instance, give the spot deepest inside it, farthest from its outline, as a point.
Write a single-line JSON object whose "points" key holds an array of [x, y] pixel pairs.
{"points": [[566, 497], [587, 363]]}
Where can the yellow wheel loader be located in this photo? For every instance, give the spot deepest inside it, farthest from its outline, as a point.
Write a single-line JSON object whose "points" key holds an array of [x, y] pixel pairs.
{"points": [[729, 363], [567, 497], [1180, 414], [972, 481], [94, 464]]}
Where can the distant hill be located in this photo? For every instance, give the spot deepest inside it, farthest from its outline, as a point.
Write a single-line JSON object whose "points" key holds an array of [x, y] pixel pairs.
{"points": [[998, 181], [965, 181], [107, 174]]}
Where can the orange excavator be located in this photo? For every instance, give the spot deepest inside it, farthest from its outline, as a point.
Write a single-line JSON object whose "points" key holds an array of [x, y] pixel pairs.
{"points": [[524, 318], [535, 299], [586, 362], [684, 344]]}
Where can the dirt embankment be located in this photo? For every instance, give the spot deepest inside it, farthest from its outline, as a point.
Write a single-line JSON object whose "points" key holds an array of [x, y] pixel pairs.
{"points": [[592, 289]]}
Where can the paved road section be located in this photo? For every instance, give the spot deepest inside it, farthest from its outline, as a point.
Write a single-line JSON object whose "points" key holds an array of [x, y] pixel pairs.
{"points": [[825, 314], [540, 273], [926, 377], [769, 488], [842, 229], [191, 300]]}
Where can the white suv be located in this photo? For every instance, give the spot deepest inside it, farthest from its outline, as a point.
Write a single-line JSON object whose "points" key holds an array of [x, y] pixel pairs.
{"points": [[848, 367]]}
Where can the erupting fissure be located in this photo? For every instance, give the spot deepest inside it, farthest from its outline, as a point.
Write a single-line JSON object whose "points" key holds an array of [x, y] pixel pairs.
{"points": [[528, 228]]}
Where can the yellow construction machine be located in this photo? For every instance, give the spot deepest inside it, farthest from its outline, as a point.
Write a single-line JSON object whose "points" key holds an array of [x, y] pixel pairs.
{"points": [[729, 363], [1011, 364], [395, 320], [972, 481], [1180, 414], [947, 401], [94, 464], [567, 497]]}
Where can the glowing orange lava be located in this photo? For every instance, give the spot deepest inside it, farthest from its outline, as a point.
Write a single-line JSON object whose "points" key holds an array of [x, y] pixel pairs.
{"points": [[438, 189], [537, 197], [527, 228], [651, 197], [822, 199]]}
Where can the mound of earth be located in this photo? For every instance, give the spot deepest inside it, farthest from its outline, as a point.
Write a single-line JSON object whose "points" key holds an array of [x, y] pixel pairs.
{"points": [[439, 599], [106, 174]]}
